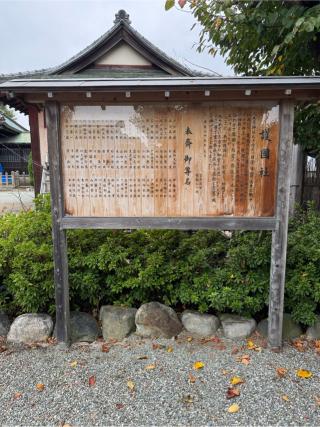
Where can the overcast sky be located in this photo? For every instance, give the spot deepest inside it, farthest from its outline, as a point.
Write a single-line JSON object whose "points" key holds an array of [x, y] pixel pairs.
{"points": [[38, 34]]}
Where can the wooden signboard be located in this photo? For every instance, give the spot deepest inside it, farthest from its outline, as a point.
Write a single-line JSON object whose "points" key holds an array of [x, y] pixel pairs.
{"points": [[170, 160], [219, 165]]}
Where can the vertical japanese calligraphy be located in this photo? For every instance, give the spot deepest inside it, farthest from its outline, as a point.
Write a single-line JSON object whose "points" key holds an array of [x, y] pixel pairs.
{"points": [[204, 159]]}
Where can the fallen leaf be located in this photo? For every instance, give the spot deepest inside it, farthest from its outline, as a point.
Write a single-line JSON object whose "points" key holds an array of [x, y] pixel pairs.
{"points": [[119, 405], [250, 345], [192, 378], [131, 386], [316, 343], [92, 381], [105, 348], [170, 349], [188, 399], [236, 380], [235, 350], [317, 399], [150, 367], [225, 372], [304, 373], [40, 387], [156, 346], [285, 397], [3, 348], [233, 408], [17, 395], [189, 339], [142, 357], [299, 345], [232, 392], [245, 359], [73, 364], [198, 365], [281, 372]]}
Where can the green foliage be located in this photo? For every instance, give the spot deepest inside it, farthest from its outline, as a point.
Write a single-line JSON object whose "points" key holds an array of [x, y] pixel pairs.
{"points": [[205, 270], [261, 37], [274, 37], [30, 169], [307, 127]]}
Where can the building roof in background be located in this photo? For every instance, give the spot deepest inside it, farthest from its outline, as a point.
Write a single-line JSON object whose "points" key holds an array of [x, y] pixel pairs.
{"points": [[12, 132], [120, 42]]}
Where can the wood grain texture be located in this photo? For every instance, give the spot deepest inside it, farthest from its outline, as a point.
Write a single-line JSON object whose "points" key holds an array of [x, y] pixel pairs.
{"points": [[280, 234], [177, 160], [58, 234]]}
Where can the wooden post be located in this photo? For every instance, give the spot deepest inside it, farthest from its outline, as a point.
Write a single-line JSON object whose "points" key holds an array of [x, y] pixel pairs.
{"points": [[35, 146], [296, 177], [279, 236], [59, 235]]}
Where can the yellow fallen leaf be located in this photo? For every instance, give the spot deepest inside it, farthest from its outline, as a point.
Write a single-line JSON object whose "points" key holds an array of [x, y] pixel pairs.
{"points": [[236, 380], [198, 365], [189, 339], [285, 397], [170, 349], [150, 367], [131, 385], [73, 364], [40, 387], [233, 408], [304, 373], [250, 345]]}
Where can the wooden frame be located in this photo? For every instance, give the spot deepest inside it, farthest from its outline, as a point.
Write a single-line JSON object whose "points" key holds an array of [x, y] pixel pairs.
{"points": [[278, 224]]}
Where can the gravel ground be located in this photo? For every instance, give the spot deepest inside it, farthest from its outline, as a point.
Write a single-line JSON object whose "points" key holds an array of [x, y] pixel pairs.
{"points": [[163, 395]]}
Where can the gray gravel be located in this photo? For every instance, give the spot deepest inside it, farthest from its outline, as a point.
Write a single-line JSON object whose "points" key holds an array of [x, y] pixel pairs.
{"points": [[163, 396]]}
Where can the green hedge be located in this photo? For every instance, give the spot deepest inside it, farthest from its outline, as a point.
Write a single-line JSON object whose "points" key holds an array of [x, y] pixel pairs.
{"points": [[205, 270]]}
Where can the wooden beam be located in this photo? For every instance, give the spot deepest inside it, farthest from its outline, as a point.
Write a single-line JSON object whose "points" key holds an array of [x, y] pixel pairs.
{"points": [[191, 223], [280, 234], [59, 236], [35, 147]]}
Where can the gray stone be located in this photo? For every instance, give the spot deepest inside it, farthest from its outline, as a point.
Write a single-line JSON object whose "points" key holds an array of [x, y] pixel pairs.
{"points": [[157, 320], [83, 327], [117, 322], [30, 327], [313, 332], [290, 329], [4, 325], [204, 325], [237, 326]]}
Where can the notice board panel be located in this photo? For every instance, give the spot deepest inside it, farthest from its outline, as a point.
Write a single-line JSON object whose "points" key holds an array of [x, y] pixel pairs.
{"points": [[170, 160]]}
